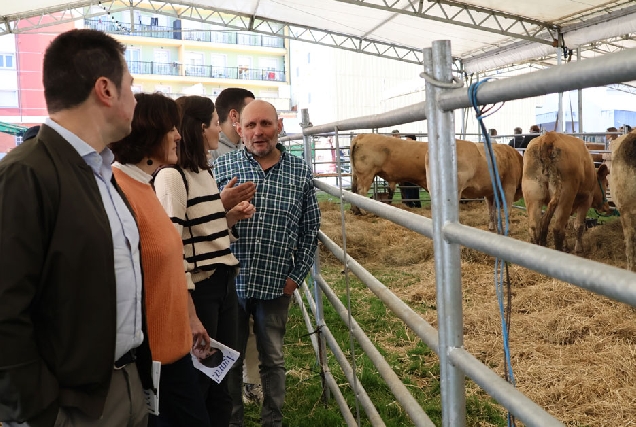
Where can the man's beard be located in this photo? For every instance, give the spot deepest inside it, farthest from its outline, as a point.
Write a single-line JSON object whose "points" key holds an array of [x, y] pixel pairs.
{"points": [[264, 153]]}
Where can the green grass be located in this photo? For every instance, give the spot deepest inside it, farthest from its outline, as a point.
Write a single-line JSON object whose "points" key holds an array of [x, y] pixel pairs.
{"points": [[413, 362]]}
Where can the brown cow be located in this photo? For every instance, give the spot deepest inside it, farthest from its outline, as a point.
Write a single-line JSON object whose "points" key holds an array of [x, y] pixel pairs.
{"points": [[392, 159], [623, 184], [473, 175], [558, 172]]}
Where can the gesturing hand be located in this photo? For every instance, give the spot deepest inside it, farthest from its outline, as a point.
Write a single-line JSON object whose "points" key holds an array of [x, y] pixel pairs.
{"points": [[231, 195]]}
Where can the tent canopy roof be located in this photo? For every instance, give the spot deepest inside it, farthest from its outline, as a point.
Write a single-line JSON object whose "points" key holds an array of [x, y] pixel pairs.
{"points": [[479, 30]]}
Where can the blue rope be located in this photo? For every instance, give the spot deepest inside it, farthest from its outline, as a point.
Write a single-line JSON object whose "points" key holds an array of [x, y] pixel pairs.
{"points": [[502, 224]]}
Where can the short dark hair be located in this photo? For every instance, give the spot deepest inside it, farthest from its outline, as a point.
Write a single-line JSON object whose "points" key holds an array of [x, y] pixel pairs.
{"points": [[74, 61], [232, 98], [194, 112], [612, 129], [155, 116], [518, 130], [413, 137]]}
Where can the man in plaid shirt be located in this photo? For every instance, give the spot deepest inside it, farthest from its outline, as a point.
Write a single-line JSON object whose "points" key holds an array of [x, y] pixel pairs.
{"points": [[275, 248]]}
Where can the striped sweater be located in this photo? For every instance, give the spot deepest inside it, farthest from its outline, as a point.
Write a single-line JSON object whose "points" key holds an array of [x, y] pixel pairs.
{"points": [[199, 217], [166, 296]]}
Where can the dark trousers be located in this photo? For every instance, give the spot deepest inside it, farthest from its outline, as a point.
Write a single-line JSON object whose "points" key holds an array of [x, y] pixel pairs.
{"points": [[180, 402], [216, 304], [270, 321], [410, 196]]}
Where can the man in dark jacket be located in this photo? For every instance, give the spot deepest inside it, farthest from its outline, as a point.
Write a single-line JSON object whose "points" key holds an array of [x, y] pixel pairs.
{"points": [[534, 129], [71, 302], [517, 141]]}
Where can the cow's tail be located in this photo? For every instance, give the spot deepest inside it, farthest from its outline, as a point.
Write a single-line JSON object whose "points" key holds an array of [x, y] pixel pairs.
{"points": [[548, 156], [354, 179]]}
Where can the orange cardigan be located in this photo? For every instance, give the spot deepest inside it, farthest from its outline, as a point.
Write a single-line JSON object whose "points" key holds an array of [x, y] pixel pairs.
{"points": [[169, 331]]}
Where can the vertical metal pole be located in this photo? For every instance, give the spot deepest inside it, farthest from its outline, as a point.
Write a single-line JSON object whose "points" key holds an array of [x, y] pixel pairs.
{"points": [[307, 140], [580, 109], [445, 209], [321, 357], [560, 125], [463, 111]]}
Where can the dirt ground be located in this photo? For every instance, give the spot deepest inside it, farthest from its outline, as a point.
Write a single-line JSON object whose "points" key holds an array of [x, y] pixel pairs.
{"points": [[573, 352]]}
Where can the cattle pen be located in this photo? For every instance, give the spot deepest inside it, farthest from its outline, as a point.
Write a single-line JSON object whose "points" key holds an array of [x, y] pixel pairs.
{"points": [[448, 234]]}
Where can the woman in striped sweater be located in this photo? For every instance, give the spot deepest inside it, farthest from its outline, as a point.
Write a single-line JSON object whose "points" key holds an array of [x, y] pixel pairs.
{"points": [[190, 196], [170, 314]]}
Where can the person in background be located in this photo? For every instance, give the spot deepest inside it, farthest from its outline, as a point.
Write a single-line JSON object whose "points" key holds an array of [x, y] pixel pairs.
{"points": [[395, 133], [173, 325], [609, 137], [517, 141], [73, 348], [189, 194], [229, 105], [535, 131], [493, 132], [276, 248], [625, 129], [411, 192]]}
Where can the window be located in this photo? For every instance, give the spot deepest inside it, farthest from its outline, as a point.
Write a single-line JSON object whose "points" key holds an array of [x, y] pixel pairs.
{"points": [[7, 60], [218, 66], [244, 67], [8, 98]]}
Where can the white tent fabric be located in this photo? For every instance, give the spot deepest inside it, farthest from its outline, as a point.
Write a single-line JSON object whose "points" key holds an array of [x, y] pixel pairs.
{"points": [[475, 27]]}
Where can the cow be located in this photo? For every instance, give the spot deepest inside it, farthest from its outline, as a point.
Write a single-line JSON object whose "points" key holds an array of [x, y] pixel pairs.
{"points": [[392, 159], [558, 171], [473, 175], [623, 184]]}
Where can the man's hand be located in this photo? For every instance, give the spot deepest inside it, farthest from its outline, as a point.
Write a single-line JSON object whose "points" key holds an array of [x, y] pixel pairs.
{"points": [[231, 195], [290, 287], [243, 210]]}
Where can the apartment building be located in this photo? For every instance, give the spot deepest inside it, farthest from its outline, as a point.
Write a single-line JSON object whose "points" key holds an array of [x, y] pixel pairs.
{"points": [[163, 53], [179, 57]]}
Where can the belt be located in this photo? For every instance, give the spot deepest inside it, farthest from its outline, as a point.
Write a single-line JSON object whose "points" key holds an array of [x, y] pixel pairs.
{"points": [[126, 359]]}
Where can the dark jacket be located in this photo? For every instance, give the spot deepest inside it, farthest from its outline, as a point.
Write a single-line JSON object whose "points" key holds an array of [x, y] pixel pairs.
{"points": [[516, 142], [528, 138], [57, 288]]}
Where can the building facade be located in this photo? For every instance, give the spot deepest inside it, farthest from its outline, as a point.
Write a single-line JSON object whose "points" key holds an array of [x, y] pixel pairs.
{"points": [[178, 57], [164, 54]]}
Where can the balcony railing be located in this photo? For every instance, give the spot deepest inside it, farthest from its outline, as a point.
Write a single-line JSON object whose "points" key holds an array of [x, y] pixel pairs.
{"points": [[207, 71], [155, 31]]}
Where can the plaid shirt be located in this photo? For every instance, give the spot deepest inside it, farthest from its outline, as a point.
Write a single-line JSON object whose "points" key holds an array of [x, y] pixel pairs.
{"points": [[279, 241]]}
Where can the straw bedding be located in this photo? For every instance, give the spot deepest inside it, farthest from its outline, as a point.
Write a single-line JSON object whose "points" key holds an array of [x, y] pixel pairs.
{"points": [[573, 352]]}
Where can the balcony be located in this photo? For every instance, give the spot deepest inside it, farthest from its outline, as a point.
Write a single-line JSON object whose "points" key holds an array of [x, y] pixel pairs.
{"points": [[205, 71], [177, 33]]}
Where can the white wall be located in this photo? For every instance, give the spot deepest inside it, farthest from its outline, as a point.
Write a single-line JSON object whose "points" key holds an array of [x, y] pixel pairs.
{"points": [[335, 85]]}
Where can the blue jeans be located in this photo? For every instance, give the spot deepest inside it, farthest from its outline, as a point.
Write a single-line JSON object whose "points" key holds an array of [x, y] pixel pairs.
{"points": [[270, 321], [215, 302]]}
